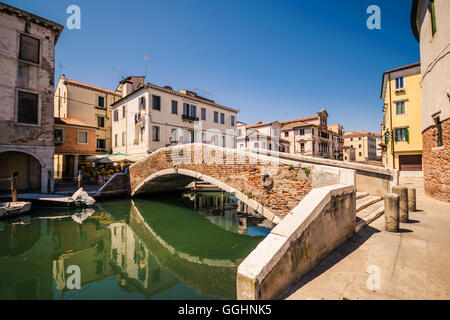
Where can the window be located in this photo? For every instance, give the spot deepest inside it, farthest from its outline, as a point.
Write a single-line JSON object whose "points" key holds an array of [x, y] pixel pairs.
{"points": [[256, 145], [29, 48], [401, 134], [185, 109], [302, 147], [59, 135], [400, 107], [82, 137], [276, 132], [432, 9], [116, 115], [437, 122], [312, 130], [123, 138], [174, 107], [222, 118], [360, 154], [155, 133], [123, 112], [142, 103], [156, 102], [193, 111], [232, 121], [399, 83], [204, 137], [286, 134], [101, 144], [101, 102], [359, 146], [173, 135], [27, 108], [223, 141], [203, 114], [302, 132], [116, 140], [101, 122], [239, 132], [216, 117]]}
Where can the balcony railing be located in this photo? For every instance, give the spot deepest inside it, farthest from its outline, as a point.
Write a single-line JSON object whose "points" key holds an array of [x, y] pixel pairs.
{"points": [[189, 117]]}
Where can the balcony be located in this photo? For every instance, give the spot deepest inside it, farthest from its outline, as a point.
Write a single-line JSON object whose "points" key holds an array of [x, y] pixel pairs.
{"points": [[189, 117]]}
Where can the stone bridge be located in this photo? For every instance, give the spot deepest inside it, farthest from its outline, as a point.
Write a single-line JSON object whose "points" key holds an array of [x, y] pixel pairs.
{"points": [[271, 186]]}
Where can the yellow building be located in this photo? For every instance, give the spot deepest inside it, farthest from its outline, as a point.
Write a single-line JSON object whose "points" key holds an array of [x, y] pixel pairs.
{"points": [[89, 104], [402, 120]]}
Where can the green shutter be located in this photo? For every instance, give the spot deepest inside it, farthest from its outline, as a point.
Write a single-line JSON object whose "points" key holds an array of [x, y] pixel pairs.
{"points": [[406, 135], [386, 138], [395, 134]]}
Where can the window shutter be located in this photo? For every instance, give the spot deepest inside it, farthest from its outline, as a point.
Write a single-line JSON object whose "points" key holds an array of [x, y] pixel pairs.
{"points": [[395, 133], [406, 135]]}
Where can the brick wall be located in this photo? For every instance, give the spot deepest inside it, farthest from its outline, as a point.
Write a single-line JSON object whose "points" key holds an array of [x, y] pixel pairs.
{"points": [[290, 184], [436, 162]]}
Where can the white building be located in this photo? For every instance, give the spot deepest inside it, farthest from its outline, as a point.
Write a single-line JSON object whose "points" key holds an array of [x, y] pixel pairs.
{"points": [[149, 117]]}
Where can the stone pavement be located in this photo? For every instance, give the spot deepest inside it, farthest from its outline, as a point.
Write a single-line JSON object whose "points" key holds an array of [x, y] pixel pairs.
{"points": [[413, 264]]}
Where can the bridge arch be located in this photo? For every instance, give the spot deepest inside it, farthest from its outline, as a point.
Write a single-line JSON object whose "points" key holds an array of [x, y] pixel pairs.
{"points": [[178, 178]]}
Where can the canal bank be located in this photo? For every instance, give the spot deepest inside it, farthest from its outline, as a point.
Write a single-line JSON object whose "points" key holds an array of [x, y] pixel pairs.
{"points": [[147, 248]]}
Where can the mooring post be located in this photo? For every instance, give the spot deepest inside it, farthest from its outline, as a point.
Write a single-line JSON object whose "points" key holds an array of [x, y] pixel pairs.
{"points": [[412, 199], [79, 179], [403, 194], [14, 196], [391, 212]]}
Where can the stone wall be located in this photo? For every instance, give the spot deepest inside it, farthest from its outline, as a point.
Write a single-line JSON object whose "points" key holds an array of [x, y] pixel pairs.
{"points": [[319, 224], [118, 184], [436, 162]]}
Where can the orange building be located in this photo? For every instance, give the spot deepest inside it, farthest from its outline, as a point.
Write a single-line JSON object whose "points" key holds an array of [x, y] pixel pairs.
{"points": [[74, 141]]}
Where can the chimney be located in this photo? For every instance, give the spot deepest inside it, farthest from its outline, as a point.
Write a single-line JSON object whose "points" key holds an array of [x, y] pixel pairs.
{"points": [[127, 88]]}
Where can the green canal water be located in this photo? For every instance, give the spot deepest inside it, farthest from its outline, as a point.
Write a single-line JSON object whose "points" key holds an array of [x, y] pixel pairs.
{"points": [[170, 247]]}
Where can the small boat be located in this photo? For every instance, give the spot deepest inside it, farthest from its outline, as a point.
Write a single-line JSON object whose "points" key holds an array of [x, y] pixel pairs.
{"points": [[79, 198], [9, 209]]}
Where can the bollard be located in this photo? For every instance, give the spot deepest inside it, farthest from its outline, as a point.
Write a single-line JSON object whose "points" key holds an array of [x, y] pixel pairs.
{"points": [[403, 193], [391, 212], [412, 199]]}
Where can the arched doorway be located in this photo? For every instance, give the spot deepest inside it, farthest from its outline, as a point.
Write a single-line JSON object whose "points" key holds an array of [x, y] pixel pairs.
{"points": [[27, 167]]}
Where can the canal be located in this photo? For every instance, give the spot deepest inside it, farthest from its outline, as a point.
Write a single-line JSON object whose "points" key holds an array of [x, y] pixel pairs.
{"points": [[177, 246]]}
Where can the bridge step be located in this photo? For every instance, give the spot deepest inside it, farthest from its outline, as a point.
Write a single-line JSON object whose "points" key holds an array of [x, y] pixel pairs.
{"points": [[368, 215], [360, 195], [366, 201]]}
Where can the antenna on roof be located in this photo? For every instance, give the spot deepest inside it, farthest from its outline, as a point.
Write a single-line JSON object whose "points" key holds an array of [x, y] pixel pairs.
{"points": [[146, 57], [120, 73]]}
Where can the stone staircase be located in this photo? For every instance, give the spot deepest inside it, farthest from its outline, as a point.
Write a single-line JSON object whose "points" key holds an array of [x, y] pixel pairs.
{"points": [[368, 209]]}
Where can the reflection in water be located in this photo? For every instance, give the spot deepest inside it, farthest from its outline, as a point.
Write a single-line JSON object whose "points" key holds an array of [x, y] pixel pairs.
{"points": [[170, 248]]}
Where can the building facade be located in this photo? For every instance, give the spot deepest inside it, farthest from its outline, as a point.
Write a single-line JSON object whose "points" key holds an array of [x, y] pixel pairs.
{"points": [[364, 143], [149, 117], [265, 136], [89, 104], [74, 140], [431, 27], [402, 118], [309, 136], [27, 57], [349, 154]]}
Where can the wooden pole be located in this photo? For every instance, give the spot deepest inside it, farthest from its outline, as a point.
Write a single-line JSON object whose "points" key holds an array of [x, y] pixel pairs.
{"points": [[14, 196], [79, 179]]}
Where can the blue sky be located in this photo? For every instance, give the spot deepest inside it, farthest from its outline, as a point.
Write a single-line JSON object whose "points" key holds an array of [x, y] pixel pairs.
{"points": [[273, 60]]}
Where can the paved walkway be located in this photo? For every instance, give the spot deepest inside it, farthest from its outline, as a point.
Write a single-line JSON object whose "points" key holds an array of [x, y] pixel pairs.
{"points": [[413, 264]]}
